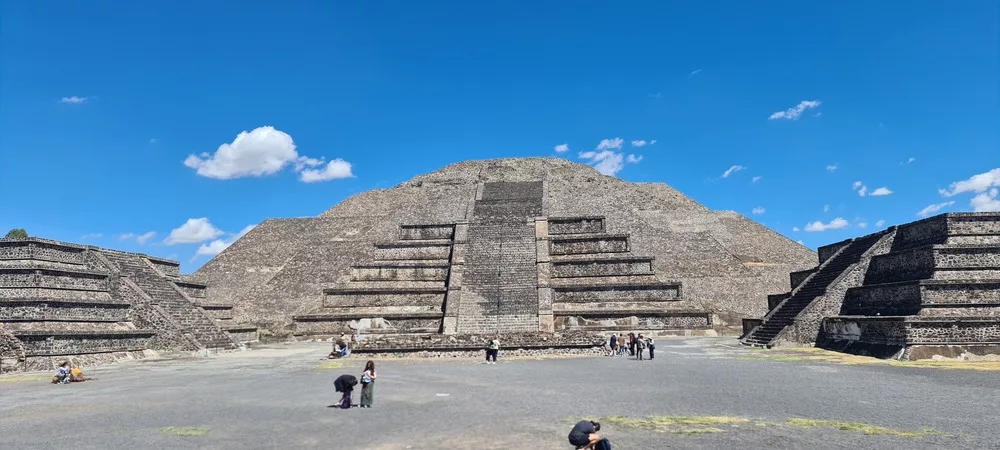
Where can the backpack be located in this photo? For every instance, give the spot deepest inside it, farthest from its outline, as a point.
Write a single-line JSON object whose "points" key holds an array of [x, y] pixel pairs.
{"points": [[603, 444]]}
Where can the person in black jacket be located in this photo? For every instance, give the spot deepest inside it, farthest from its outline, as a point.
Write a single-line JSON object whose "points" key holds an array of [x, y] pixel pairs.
{"points": [[345, 384]]}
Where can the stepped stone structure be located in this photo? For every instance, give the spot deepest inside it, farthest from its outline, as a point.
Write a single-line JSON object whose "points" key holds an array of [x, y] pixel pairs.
{"points": [[930, 287], [90, 305], [530, 245]]}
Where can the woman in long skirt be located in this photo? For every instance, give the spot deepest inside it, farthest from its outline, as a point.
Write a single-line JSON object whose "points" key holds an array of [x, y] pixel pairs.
{"points": [[368, 385]]}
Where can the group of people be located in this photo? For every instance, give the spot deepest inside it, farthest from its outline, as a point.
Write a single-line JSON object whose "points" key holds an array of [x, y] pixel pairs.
{"points": [[345, 385], [630, 345], [67, 374]]}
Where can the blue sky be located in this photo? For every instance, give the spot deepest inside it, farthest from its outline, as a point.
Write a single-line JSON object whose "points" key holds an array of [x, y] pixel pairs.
{"points": [[107, 109]]}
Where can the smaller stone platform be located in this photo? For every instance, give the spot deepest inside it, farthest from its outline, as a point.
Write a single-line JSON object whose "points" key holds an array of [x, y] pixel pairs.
{"points": [[474, 342]]}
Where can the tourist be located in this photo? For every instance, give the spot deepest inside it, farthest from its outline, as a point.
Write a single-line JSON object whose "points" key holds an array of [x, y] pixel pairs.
{"points": [[613, 345], [631, 344], [491, 351], [368, 385], [622, 350], [640, 345], [345, 385], [584, 436], [651, 345], [62, 373]]}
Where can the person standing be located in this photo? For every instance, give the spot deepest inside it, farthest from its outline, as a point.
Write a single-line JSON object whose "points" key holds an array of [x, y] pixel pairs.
{"points": [[368, 385], [631, 344], [652, 346], [640, 345], [492, 349], [613, 345]]}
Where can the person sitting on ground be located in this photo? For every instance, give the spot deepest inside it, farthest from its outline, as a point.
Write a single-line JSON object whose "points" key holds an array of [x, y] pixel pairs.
{"points": [[76, 375], [62, 373], [584, 434], [345, 385]]}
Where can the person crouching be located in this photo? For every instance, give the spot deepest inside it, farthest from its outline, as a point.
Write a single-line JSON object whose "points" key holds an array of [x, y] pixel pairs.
{"points": [[345, 385], [62, 373]]}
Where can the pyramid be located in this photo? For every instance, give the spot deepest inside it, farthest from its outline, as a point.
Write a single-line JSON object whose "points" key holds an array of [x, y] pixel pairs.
{"points": [[506, 245]]}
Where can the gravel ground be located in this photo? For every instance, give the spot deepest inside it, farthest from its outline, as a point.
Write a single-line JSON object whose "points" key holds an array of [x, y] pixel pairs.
{"points": [[277, 397]]}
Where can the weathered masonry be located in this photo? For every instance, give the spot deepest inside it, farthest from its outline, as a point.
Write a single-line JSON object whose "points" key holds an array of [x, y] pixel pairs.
{"points": [[520, 245], [91, 305], [507, 270], [926, 288]]}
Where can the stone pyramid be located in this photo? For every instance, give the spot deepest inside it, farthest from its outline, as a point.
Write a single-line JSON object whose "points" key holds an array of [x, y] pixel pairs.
{"points": [[519, 244]]}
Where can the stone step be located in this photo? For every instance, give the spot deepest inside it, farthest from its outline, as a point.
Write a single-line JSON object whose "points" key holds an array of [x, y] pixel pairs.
{"points": [[576, 225], [935, 262], [588, 243], [404, 272], [426, 232], [603, 266], [657, 291]]}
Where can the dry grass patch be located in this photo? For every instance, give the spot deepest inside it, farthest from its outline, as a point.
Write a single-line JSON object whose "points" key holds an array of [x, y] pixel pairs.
{"points": [[813, 354], [330, 365], [185, 431], [867, 429], [17, 379], [692, 425]]}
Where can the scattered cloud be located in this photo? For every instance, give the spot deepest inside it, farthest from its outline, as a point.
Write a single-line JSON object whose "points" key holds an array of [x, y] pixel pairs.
{"points": [[92, 236], [795, 229], [909, 160], [640, 143], [987, 201], [606, 162], [931, 209], [834, 224], [656, 95], [862, 224], [694, 72], [832, 167], [826, 208], [880, 223], [633, 158], [263, 151], [652, 141], [193, 231], [880, 192], [755, 179], [863, 191], [732, 170], [977, 183], [217, 246], [125, 236], [561, 148], [142, 238], [610, 144], [796, 111], [856, 185], [153, 140], [758, 210], [334, 170], [74, 100]]}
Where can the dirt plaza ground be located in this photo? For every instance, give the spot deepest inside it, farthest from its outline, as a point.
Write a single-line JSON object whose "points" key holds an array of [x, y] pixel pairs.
{"points": [[697, 393]]}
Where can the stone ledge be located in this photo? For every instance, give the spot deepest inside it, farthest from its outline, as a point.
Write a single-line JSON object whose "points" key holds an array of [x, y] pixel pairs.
{"points": [[53, 270], [617, 286], [405, 264], [582, 258], [587, 237], [239, 328], [414, 243], [385, 290], [56, 288], [630, 313], [190, 284], [210, 305], [122, 333], [7, 302], [458, 342], [323, 317]]}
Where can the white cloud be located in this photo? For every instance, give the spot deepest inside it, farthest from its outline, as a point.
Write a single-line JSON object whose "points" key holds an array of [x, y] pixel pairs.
{"points": [[826, 208], [92, 236], [142, 238], [758, 210], [755, 179], [610, 144], [334, 170], [193, 231], [834, 224], [977, 183], [931, 209], [910, 160], [794, 112], [217, 246], [652, 141], [263, 151], [74, 100], [862, 224], [606, 162], [856, 185], [694, 72], [795, 229], [863, 191], [832, 167], [562, 148], [633, 158], [987, 201], [880, 192], [153, 140], [880, 223], [638, 143], [125, 236], [732, 170]]}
